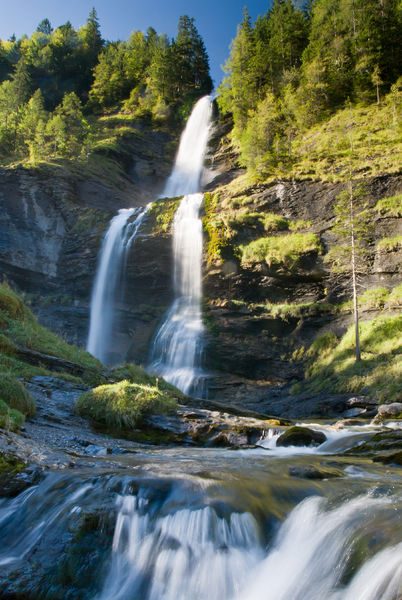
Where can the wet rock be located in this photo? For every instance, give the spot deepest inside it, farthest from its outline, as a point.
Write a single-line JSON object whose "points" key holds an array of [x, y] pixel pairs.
{"points": [[16, 476], [394, 458], [313, 472], [389, 411], [301, 436], [349, 423], [384, 441]]}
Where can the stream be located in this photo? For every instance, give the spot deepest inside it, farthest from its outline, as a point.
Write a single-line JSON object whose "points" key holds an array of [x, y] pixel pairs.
{"points": [[203, 523]]}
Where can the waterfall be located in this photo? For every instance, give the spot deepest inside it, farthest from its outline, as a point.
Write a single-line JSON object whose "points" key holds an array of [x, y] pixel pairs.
{"points": [[177, 348], [108, 282]]}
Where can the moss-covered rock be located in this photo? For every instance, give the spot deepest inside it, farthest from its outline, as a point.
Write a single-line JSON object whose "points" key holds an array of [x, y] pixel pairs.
{"points": [[14, 394], [125, 405], [300, 436]]}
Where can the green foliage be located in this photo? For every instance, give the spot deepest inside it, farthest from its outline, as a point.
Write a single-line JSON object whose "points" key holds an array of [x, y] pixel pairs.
{"points": [[273, 222], [11, 420], [162, 213], [378, 374], [390, 244], [395, 297], [136, 374], [124, 405], [374, 298], [50, 80], [352, 218], [14, 394], [219, 237], [283, 252], [292, 70], [390, 207], [21, 328]]}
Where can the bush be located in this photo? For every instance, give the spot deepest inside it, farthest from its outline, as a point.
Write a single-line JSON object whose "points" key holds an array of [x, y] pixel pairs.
{"points": [[283, 251], [124, 405]]}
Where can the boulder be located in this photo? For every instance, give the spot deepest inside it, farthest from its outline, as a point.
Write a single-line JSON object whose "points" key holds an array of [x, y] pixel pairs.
{"points": [[301, 436], [390, 411], [313, 472]]}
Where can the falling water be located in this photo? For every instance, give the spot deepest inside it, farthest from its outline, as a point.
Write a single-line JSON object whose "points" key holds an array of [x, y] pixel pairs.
{"points": [[177, 348], [108, 285]]}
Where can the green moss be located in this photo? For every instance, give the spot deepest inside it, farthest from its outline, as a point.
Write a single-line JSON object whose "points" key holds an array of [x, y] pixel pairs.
{"points": [[390, 207], [281, 251], [11, 304], [124, 405], [390, 244], [15, 395], [218, 234], [10, 465], [379, 373], [162, 213]]}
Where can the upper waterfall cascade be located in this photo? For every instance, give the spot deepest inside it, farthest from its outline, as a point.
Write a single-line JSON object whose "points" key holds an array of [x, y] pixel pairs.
{"points": [[177, 349]]}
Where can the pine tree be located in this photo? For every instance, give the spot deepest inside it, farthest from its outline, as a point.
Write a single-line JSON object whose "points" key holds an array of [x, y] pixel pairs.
{"points": [[45, 27], [190, 61]]}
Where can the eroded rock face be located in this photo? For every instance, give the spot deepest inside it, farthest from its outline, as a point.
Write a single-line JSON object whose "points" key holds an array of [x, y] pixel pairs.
{"points": [[52, 222]]}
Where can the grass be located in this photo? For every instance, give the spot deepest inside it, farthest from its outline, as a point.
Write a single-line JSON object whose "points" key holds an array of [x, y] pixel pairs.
{"points": [[333, 367], [219, 235], [390, 244], [281, 251], [125, 405], [390, 207], [322, 152], [14, 394], [10, 418], [19, 328]]}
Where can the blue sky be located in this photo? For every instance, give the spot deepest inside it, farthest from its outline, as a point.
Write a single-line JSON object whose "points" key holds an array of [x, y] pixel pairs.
{"points": [[216, 19]]}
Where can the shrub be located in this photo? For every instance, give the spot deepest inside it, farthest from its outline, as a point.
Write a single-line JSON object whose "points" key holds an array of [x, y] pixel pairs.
{"points": [[124, 405], [282, 251], [15, 395]]}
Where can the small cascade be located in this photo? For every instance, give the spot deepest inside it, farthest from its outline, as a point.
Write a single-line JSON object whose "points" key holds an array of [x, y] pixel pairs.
{"points": [[108, 286], [177, 348]]}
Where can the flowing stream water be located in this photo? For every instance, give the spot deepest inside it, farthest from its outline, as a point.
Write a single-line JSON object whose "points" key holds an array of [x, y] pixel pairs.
{"points": [[177, 348], [208, 524], [109, 281]]}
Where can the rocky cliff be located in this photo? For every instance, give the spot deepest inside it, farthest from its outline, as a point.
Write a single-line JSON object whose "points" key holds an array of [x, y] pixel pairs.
{"points": [[257, 315]]}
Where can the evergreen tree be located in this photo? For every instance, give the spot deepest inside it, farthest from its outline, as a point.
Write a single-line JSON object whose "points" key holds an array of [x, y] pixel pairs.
{"points": [[190, 61], [21, 83], [45, 27], [34, 117]]}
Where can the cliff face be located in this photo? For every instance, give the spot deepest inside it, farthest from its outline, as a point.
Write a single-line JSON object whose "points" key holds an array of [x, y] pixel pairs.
{"points": [[52, 221], [258, 315], [53, 218]]}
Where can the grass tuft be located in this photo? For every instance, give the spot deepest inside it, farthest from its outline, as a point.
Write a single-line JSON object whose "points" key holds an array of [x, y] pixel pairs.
{"points": [[124, 405]]}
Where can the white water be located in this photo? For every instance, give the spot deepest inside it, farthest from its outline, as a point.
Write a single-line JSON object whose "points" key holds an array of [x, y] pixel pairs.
{"points": [[197, 554], [108, 282], [177, 348]]}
